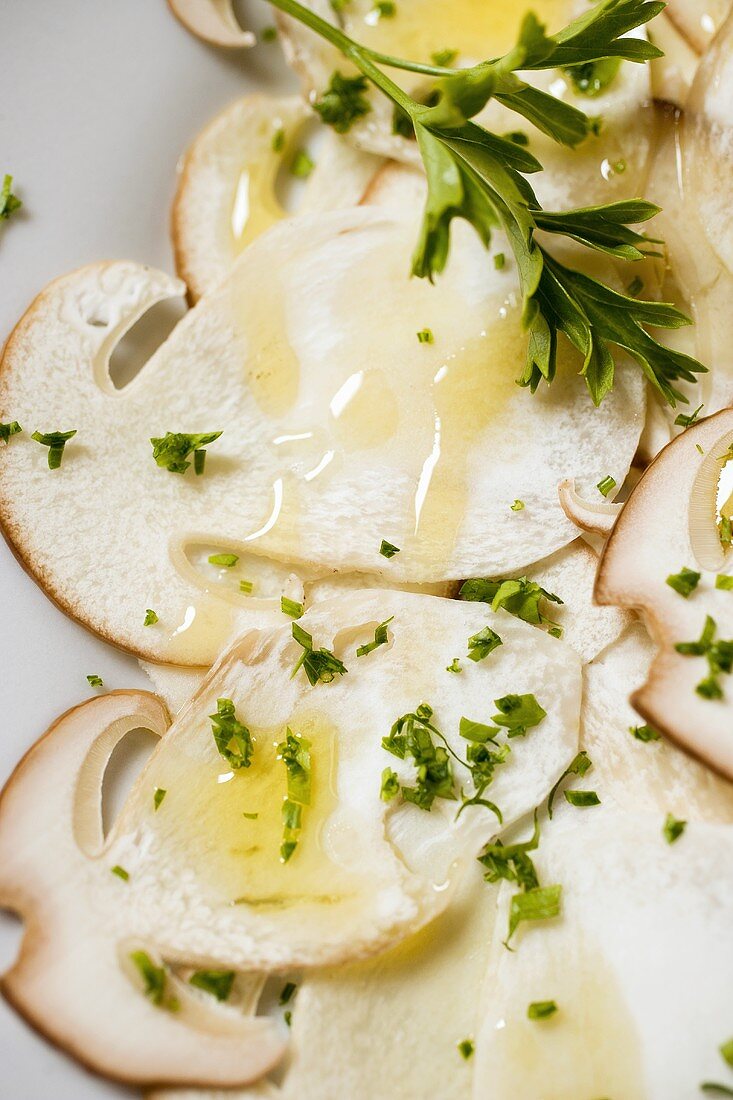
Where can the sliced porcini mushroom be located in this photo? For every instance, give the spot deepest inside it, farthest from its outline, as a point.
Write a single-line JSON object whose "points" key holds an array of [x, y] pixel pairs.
{"points": [[596, 516], [337, 434], [669, 523], [673, 73], [204, 884], [226, 195], [74, 980], [697, 20], [617, 988], [214, 21]]}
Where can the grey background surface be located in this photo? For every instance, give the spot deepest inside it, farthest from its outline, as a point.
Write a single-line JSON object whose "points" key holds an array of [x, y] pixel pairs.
{"points": [[98, 98]]}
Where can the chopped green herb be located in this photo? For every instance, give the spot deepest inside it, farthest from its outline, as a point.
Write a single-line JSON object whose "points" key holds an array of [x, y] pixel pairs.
{"points": [[319, 665], [386, 9], [278, 140], [605, 485], [302, 165], [154, 978], [158, 795], [11, 428], [685, 582], [517, 506], [216, 982], [454, 666], [411, 736], [520, 597], [725, 530], [247, 587], [699, 449], [466, 1048], [684, 420], [541, 1010], [581, 764], [295, 754], [291, 607], [227, 561], [499, 260], [388, 550], [645, 733], [381, 637], [593, 77], [582, 798], [268, 34], [95, 681], [539, 903], [55, 441], [482, 644], [286, 994], [477, 731], [724, 581], [151, 617], [288, 1018], [250, 817], [9, 202], [172, 450], [713, 1089], [121, 873], [233, 740], [343, 102], [518, 713], [512, 862], [199, 462], [390, 785], [719, 656], [726, 1050], [443, 58], [673, 828], [425, 336]]}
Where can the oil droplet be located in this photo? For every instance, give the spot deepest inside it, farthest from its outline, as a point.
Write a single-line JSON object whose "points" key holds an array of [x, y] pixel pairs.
{"points": [[271, 367], [254, 205], [204, 628], [365, 411]]}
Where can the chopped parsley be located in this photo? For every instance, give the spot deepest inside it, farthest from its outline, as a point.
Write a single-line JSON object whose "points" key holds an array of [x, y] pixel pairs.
{"points": [[268, 34], [719, 656], [154, 979], [386, 9], [278, 140], [319, 665], [151, 617], [425, 336], [286, 994], [390, 787], [343, 102], [158, 795], [482, 644], [121, 872], [388, 550], [605, 485], [579, 766], [499, 260], [592, 77], [443, 58], [520, 597], [95, 681], [645, 733], [541, 1010], [466, 1048], [250, 817], [673, 828], [295, 754], [512, 862], [540, 903], [302, 165], [218, 983], [582, 798], [483, 755], [411, 737], [724, 582], [246, 587], [454, 666], [11, 428], [685, 582], [233, 740], [517, 506], [291, 607], [518, 713], [288, 1018], [55, 441], [381, 637], [9, 202], [227, 561], [172, 450], [684, 420]]}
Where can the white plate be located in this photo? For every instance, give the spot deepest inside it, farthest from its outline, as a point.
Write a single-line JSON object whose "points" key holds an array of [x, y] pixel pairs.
{"points": [[98, 98]]}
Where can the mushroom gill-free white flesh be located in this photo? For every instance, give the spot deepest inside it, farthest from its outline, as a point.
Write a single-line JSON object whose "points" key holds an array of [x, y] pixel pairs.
{"points": [[205, 885], [340, 429], [214, 21]]}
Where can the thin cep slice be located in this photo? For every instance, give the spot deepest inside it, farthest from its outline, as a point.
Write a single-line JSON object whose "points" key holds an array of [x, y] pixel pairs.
{"points": [[193, 876], [356, 404]]}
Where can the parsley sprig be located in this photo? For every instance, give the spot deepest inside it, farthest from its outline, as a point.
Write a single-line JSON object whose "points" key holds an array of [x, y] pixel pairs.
{"points": [[480, 176]]}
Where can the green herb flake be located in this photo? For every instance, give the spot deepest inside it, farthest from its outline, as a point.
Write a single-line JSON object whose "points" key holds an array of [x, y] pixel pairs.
{"points": [[302, 165], [295, 754], [518, 713], [95, 681], [172, 450], [443, 58], [233, 740], [250, 817], [385, 9], [454, 666], [9, 429], [388, 550], [673, 828], [319, 665], [684, 420], [268, 34], [711, 1088], [390, 787], [539, 903], [719, 655], [482, 644], [645, 733], [466, 1048], [425, 336], [226, 561], [582, 798], [291, 607], [344, 102], [154, 979], [218, 983], [605, 485], [499, 260], [278, 140], [151, 617], [288, 1018], [121, 872], [579, 766], [699, 449], [519, 596], [158, 795], [412, 737], [246, 587], [685, 582], [286, 994], [541, 1010], [381, 637], [55, 441], [9, 202], [724, 582]]}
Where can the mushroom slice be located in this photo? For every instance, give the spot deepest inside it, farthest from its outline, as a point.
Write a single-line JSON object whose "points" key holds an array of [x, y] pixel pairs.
{"points": [[671, 522], [214, 21], [697, 20], [673, 73], [598, 517], [640, 955], [215, 874], [75, 979], [226, 195], [338, 433]]}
